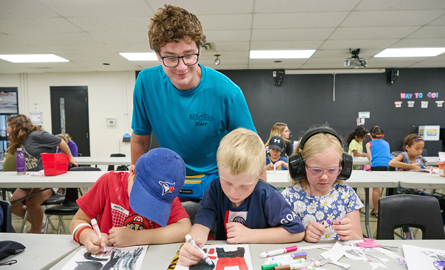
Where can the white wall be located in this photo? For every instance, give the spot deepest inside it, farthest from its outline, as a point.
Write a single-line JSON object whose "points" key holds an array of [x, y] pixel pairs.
{"points": [[110, 96]]}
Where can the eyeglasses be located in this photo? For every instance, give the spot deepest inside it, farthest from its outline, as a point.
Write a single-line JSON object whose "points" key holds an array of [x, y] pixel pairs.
{"points": [[173, 61], [318, 172]]}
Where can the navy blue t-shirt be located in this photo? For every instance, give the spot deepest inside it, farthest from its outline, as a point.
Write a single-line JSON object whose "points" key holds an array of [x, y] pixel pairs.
{"points": [[264, 208]]}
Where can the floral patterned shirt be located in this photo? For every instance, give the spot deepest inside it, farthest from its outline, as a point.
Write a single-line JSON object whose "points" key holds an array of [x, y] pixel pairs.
{"points": [[340, 201]]}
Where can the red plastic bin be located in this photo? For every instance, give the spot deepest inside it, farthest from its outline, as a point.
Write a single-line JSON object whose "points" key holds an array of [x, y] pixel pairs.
{"points": [[55, 164]]}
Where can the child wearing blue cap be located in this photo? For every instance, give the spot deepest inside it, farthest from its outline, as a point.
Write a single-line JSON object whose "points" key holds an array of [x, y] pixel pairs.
{"points": [[246, 209], [139, 207]]}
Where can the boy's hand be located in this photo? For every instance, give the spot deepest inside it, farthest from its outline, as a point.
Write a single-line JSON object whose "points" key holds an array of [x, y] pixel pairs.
{"points": [[314, 231], [93, 244], [269, 166], [238, 233], [189, 255], [122, 237], [343, 228]]}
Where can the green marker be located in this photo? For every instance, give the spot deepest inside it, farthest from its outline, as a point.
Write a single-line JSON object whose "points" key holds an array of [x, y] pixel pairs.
{"points": [[271, 266]]}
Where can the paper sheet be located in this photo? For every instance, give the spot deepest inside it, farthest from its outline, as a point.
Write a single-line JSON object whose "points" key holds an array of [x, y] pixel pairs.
{"points": [[229, 249], [421, 258], [112, 258]]}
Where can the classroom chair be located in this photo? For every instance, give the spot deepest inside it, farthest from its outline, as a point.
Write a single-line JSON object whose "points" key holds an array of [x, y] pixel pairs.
{"points": [[55, 199], [6, 226], [69, 206], [120, 167], [407, 210]]}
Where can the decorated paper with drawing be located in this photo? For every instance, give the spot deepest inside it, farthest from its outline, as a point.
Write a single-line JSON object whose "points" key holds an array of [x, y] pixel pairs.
{"points": [[236, 256], [129, 258]]}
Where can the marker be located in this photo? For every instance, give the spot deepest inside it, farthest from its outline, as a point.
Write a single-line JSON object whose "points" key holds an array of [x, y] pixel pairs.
{"points": [[264, 255], [280, 263], [326, 223], [298, 266], [286, 257], [206, 258], [96, 228]]}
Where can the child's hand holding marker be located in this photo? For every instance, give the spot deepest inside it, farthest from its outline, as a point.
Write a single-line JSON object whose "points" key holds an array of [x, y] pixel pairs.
{"points": [[315, 230], [343, 227], [95, 241]]}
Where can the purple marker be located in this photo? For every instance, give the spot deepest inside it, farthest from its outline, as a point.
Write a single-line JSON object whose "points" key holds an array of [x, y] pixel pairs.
{"points": [[326, 223]]}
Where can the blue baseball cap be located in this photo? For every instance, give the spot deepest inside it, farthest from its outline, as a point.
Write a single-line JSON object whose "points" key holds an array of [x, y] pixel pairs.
{"points": [[160, 174]]}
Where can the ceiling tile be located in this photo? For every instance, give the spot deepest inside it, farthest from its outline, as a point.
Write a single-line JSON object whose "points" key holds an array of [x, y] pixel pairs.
{"points": [[267, 6], [429, 32], [291, 34], [372, 32], [226, 22], [391, 18], [298, 20]]}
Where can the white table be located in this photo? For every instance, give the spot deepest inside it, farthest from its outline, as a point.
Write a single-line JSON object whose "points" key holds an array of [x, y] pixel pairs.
{"points": [[81, 179], [42, 250], [160, 256], [415, 180], [103, 160], [430, 161]]}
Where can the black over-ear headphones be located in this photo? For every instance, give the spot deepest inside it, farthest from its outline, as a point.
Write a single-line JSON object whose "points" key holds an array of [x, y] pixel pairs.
{"points": [[297, 167]]}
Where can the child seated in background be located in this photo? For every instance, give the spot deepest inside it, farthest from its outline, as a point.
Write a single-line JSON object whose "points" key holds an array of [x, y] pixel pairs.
{"points": [[318, 194], [355, 141], [276, 161], [139, 207], [246, 209], [379, 154]]}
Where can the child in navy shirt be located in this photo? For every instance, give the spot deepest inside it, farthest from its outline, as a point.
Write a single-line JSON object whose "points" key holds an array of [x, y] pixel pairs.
{"points": [[276, 161], [245, 208]]}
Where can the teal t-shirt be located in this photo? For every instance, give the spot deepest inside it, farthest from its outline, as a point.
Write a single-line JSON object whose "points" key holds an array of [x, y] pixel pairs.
{"points": [[193, 122]]}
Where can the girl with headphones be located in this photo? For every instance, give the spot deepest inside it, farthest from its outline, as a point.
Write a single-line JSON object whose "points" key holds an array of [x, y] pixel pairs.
{"points": [[328, 208]]}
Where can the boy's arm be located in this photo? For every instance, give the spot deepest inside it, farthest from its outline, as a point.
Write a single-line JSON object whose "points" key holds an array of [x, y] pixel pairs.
{"points": [[87, 235], [238, 233], [175, 232]]}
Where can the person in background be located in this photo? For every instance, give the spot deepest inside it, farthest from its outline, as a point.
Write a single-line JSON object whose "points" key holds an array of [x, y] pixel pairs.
{"points": [[379, 154], [245, 208], [318, 194], [275, 161], [139, 207], [282, 130], [33, 141], [71, 144], [355, 141], [10, 163], [184, 102]]}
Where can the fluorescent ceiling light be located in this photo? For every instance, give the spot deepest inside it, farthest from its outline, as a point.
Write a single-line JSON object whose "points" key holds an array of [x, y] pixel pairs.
{"points": [[140, 56], [280, 54], [333, 71], [32, 58], [411, 52]]}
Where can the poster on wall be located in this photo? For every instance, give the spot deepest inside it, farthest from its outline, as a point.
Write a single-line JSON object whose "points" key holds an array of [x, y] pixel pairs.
{"points": [[411, 104], [360, 121], [439, 104], [398, 104], [364, 114], [424, 104]]}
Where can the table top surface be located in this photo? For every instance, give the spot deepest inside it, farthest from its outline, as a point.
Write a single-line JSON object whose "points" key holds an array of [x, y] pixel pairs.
{"points": [[78, 179], [42, 250], [430, 160], [416, 179], [160, 256]]}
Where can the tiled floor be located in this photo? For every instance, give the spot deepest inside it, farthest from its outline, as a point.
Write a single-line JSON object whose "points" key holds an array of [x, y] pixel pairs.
{"points": [[17, 222]]}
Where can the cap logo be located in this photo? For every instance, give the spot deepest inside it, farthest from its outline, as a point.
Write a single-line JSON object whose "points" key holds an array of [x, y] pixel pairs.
{"points": [[167, 187], [138, 219], [276, 140]]}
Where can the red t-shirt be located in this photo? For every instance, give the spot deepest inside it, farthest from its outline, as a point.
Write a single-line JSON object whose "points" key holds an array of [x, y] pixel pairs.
{"points": [[108, 201]]}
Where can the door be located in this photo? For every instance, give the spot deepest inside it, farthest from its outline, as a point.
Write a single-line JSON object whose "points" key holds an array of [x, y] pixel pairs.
{"points": [[69, 112]]}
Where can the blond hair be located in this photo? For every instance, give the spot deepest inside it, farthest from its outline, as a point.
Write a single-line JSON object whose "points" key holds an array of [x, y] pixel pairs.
{"points": [[173, 24], [316, 144], [242, 151], [277, 130], [66, 137]]}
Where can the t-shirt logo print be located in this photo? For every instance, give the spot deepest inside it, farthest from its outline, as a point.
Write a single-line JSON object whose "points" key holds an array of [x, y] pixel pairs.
{"points": [[167, 187]]}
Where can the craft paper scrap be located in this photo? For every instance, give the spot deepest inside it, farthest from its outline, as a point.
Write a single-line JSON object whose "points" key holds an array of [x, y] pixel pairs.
{"points": [[227, 257], [129, 258], [335, 253], [377, 265], [422, 258]]}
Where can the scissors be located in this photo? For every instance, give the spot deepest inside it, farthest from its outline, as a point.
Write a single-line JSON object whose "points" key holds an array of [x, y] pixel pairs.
{"points": [[370, 243]]}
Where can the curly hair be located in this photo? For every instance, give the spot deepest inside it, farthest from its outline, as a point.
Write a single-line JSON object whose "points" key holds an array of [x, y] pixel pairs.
{"points": [[359, 132], [21, 127], [173, 24]]}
